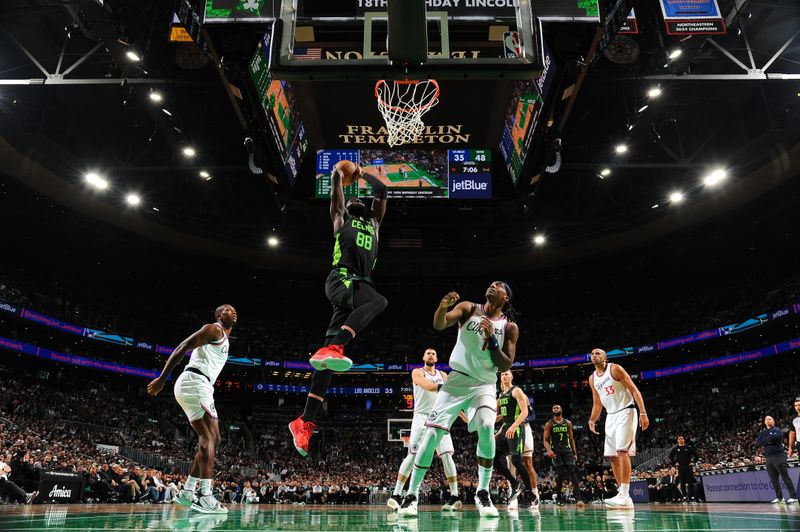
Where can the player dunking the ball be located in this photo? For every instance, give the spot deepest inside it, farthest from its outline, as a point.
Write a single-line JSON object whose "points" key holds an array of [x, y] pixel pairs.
{"points": [[427, 383], [194, 391], [349, 287], [486, 343], [613, 389]]}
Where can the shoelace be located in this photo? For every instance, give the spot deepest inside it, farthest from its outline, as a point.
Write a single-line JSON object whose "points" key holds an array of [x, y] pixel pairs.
{"points": [[483, 496]]}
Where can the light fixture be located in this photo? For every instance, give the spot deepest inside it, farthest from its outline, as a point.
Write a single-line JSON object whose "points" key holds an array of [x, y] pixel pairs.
{"points": [[630, 127], [539, 240], [655, 92], [654, 206], [715, 177], [675, 53], [205, 175], [621, 148], [642, 108], [133, 56], [156, 96], [188, 151], [166, 112], [605, 172], [676, 197], [96, 181], [133, 200], [272, 241]]}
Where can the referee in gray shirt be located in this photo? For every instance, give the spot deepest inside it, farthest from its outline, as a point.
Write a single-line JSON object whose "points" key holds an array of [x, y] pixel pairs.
{"points": [[794, 430]]}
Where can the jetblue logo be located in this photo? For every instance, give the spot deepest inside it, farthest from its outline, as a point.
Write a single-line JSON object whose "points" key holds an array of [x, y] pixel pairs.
{"points": [[472, 186]]}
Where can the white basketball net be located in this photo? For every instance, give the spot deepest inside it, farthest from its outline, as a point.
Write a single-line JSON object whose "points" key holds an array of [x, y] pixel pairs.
{"points": [[402, 104]]}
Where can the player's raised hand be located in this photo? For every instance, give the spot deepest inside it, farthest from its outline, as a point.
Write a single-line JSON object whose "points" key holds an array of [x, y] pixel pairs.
{"points": [[450, 299], [155, 386], [487, 327]]}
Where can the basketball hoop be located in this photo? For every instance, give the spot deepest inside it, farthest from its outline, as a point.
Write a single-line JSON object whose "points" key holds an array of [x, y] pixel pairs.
{"points": [[402, 104]]}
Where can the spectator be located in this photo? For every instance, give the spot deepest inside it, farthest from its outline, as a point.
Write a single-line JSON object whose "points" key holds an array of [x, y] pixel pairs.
{"points": [[771, 439]]}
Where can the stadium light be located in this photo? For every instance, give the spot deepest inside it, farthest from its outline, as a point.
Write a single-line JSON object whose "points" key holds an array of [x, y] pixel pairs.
{"points": [[605, 172], [205, 175], [715, 177], [133, 200], [539, 240], [676, 197], [272, 241], [133, 56], [654, 206], [156, 96], [190, 152], [655, 92], [675, 53], [621, 148], [642, 108], [96, 181]]}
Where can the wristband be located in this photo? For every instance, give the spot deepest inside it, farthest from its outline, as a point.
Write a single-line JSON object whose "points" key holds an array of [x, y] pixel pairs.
{"points": [[643, 414], [492, 343]]}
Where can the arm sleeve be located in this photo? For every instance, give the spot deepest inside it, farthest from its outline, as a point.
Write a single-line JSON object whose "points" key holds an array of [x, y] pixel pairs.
{"points": [[378, 188]]}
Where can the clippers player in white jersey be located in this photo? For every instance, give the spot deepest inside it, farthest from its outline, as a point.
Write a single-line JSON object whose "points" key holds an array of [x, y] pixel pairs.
{"points": [[427, 382], [795, 430], [613, 389], [486, 344], [194, 391]]}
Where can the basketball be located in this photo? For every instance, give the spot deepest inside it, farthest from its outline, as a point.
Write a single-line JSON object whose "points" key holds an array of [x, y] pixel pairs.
{"points": [[348, 169]]}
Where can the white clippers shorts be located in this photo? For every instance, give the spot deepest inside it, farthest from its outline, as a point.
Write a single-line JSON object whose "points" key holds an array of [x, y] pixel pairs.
{"points": [[195, 395], [461, 392], [527, 450], [418, 431], [621, 432]]}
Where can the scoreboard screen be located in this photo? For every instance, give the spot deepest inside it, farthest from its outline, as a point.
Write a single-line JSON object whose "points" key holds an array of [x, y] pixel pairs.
{"points": [[278, 102], [240, 10], [413, 173]]}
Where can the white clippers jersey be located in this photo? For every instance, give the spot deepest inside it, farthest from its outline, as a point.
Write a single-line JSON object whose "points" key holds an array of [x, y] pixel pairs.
{"points": [[423, 399], [796, 425], [211, 358], [470, 354], [613, 394]]}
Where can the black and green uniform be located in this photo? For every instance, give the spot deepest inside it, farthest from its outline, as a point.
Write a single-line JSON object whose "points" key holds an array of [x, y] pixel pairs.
{"points": [[560, 443], [510, 410], [349, 285]]}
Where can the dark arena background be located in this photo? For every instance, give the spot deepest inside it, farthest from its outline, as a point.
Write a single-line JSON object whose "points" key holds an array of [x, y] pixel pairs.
{"points": [[630, 168]]}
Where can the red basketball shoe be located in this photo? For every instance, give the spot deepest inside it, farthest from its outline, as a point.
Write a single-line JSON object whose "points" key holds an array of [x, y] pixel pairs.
{"points": [[331, 357], [301, 434]]}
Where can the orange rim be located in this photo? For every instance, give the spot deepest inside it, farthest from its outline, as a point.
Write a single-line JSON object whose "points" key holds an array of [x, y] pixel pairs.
{"points": [[385, 105]]}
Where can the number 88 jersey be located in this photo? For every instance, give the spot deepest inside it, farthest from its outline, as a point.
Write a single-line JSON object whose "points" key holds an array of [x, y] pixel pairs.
{"points": [[356, 246]]}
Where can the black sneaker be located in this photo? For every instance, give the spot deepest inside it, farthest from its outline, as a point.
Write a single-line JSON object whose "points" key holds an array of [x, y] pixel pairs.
{"points": [[515, 491], [452, 504], [526, 499], [409, 506]]}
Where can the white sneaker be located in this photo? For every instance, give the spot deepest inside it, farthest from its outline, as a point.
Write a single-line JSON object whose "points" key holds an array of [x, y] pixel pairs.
{"points": [[778, 501], [484, 504], [409, 506], [453, 504], [207, 504], [186, 498], [394, 502], [619, 503], [791, 501]]}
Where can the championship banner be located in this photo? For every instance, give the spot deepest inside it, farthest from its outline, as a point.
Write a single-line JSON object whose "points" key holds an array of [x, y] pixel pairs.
{"points": [[61, 488], [692, 17], [631, 25]]}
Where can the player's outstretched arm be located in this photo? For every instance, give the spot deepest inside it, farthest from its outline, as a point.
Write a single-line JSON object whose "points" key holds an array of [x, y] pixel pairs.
{"points": [[597, 406], [208, 333], [444, 318], [380, 194], [619, 373], [337, 200]]}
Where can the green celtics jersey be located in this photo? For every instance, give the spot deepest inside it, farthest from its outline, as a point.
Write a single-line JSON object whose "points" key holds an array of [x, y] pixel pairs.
{"points": [[559, 435]]}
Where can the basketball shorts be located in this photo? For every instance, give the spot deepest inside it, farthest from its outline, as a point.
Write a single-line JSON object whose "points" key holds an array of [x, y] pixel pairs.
{"points": [[520, 445], [418, 431], [195, 395], [621, 432], [461, 392], [563, 457]]}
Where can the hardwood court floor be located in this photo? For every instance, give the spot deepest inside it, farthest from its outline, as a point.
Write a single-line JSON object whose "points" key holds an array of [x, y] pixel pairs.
{"points": [[646, 517]]}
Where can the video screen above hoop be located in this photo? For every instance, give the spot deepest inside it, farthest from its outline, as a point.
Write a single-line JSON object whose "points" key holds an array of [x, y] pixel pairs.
{"points": [[413, 173]]}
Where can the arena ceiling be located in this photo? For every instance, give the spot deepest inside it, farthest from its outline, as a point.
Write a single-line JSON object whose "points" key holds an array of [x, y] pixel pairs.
{"points": [[72, 101]]}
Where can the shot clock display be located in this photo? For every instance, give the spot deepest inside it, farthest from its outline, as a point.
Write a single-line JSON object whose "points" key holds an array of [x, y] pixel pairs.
{"points": [[413, 173]]}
